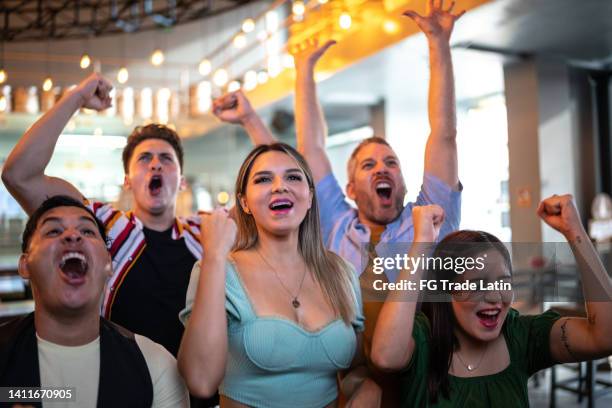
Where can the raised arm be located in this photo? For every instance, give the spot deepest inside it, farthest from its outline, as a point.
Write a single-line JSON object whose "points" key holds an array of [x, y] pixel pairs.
{"points": [[203, 352], [441, 149], [393, 344], [310, 127], [578, 339], [234, 107], [24, 170]]}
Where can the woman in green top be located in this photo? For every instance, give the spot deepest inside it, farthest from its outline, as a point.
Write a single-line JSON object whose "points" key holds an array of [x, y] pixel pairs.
{"points": [[474, 350]]}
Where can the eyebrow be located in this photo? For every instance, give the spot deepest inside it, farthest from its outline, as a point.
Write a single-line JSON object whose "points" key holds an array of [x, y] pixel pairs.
{"points": [[373, 159], [58, 219], [267, 172], [160, 154]]}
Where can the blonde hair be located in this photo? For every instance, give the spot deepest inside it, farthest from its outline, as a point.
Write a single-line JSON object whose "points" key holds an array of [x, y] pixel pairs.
{"points": [[329, 270]]}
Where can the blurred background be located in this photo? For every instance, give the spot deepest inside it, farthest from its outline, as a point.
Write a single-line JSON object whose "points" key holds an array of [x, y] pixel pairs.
{"points": [[532, 85]]}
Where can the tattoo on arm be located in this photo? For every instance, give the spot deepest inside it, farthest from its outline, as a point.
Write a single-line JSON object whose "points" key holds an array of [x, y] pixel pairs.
{"points": [[565, 341], [578, 239]]}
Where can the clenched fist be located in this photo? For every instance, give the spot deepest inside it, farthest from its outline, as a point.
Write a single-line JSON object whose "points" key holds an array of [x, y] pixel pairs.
{"points": [[232, 107], [427, 221], [217, 232], [94, 92], [560, 213]]}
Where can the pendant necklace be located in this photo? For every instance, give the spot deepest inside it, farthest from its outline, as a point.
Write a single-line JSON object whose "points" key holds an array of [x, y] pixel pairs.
{"points": [[294, 302], [471, 367]]}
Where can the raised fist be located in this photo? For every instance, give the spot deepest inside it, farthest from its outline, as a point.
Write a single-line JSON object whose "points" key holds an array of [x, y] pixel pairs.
{"points": [[217, 232], [232, 107], [560, 213], [94, 92], [427, 221]]}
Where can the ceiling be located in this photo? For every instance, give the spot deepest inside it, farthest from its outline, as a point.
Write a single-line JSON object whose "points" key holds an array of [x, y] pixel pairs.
{"points": [[578, 33], [563, 29], [26, 20], [566, 30]]}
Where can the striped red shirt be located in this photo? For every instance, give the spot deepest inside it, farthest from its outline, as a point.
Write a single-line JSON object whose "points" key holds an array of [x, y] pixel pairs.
{"points": [[127, 241]]}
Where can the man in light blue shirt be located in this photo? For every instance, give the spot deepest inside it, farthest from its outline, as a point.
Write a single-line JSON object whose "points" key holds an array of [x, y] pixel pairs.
{"points": [[346, 234], [375, 178]]}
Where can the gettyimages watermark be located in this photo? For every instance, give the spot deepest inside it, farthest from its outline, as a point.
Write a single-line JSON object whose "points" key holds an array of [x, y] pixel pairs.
{"points": [[512, 272]]}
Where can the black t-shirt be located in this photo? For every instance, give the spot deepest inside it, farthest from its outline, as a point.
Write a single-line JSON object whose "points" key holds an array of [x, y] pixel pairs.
{"points": [[153, 292]]}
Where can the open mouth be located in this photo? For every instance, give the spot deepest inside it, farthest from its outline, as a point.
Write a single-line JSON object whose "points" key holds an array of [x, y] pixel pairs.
{"points": [[155, 185], [384, 190], [489, 317], [282, 205], [74, 266]]}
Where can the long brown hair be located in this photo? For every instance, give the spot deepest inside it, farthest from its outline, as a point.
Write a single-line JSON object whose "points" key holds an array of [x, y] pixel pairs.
{"points": [[329, 270]]}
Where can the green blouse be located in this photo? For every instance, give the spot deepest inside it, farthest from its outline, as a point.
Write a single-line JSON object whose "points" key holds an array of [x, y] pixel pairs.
{"points": [[527, 338]]}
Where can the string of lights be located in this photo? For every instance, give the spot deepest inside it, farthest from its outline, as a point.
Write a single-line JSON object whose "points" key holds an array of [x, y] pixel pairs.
{"points": [[245, 40]]}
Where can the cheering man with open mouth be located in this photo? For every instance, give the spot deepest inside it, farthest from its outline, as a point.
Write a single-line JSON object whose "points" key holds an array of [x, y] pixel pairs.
{"points": [[153, 251]]}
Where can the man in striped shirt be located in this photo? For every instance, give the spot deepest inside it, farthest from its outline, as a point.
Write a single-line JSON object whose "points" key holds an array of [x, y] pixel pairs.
{"points": [[153, 251]]}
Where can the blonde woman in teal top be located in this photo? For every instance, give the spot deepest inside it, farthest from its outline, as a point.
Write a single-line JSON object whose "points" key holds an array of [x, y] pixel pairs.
{"points": [[474, 350], [272, 317]]}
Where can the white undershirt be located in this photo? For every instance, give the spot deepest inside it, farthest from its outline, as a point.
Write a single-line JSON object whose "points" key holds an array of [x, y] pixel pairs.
{"points": [[78, 367]]}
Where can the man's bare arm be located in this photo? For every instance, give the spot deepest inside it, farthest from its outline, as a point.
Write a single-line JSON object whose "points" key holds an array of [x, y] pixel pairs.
{"points": [[441, 149], [235, 108], [24, 170], [310, 126]]}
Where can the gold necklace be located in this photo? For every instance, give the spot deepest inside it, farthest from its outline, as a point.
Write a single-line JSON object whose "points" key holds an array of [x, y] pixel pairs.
{"points": [[471, 367], [294, 302]]}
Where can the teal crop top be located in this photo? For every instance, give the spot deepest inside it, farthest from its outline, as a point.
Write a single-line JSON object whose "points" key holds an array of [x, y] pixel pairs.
{"points": [[272, 361]]}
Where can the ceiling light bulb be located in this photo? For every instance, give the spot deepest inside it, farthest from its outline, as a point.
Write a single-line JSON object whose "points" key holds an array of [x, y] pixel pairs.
{"points": [[223, 197], [123, 75], [220, 77], [48, 84], [298, 8], [390, 26], [157, 58], [85, 61], [248, 25], [240, 41], [2, 76], [345, 21], [233, 86], [205, 67]]}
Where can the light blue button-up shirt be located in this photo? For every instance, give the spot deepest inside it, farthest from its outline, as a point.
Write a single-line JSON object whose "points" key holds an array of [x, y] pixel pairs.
{"points": [[346, 236]]}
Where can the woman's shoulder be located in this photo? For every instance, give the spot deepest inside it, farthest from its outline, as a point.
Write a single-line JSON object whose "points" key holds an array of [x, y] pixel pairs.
{"points": [[517, 324], [528, 338]]}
